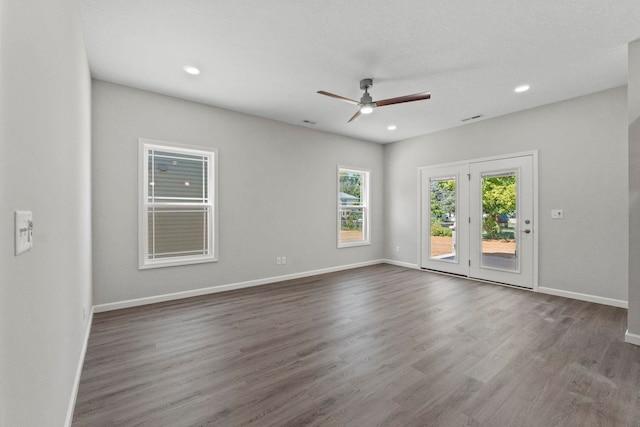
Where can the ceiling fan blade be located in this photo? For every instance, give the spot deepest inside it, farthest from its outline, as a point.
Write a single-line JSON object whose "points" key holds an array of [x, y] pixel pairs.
{"points": [[401, 99], [342, 98], [355, 116]]}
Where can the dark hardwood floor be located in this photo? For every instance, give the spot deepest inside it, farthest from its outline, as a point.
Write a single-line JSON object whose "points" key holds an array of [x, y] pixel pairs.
{"points": [[375, 346]]}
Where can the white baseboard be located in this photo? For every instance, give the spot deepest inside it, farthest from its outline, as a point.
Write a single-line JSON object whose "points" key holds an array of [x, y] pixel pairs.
{"points": [[543, 290], [401, 264], [584, 297], [76, 381], [632, 338], [232, 286]]}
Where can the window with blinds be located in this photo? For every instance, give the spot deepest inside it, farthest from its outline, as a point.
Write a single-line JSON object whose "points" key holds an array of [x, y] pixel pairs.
{"points": [[177, 205]]}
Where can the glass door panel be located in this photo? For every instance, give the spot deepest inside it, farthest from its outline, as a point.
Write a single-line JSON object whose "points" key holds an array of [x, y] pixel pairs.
{"points": [[442, 218], [499, 219]]}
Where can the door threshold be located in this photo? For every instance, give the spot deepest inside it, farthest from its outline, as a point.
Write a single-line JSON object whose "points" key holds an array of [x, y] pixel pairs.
{"points": [[475, 279]]}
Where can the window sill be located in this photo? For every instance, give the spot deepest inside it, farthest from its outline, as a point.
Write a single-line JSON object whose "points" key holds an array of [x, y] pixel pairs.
{"points": [[353, 244], [174, 263]]}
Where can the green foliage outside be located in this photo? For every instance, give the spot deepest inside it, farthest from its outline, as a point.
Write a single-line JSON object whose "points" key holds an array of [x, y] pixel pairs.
{"points": [[351, 221], [443, 205], [498, 202], [439, 230], [351, 183], [443, 199]]}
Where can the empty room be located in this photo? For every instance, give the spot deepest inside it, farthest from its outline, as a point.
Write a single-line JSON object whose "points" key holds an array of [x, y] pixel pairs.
{"points": [[319, 213]]}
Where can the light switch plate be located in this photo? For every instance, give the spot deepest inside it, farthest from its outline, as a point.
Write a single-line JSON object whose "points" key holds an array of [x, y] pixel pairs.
{"points": [[24, 231], [557, 214]]}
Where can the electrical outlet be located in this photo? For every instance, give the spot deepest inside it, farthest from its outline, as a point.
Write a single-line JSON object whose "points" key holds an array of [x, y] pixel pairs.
{"points": [[397, 249], [279, 260], [84, 312], [284, 259]]}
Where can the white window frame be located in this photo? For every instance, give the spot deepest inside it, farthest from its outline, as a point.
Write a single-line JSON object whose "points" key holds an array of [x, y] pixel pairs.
{"points": [[364, 205], [145, 145]]}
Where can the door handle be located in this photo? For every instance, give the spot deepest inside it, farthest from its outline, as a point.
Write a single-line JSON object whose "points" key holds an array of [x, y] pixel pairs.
{"points": [[526, 230]]}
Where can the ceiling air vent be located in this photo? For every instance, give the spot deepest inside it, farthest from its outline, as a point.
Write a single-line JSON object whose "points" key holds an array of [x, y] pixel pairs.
{"points": [[473, 118]]}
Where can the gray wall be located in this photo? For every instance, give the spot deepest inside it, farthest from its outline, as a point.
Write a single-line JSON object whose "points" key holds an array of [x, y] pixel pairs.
{"points": [[634, 188], [277, 193], [44, 167], [582, 148]]}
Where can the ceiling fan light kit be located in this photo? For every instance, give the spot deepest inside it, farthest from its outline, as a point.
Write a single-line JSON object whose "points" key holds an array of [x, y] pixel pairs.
{"points": [[367, 104], [367, 108]]}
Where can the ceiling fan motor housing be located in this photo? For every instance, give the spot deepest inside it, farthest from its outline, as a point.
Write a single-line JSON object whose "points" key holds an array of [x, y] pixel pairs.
{"points": [[366, 98], [365, 84]]}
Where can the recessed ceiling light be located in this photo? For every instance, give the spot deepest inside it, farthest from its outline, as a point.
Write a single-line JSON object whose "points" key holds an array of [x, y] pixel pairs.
{"points": [[522, 88], [392, 127], [191, 70]]}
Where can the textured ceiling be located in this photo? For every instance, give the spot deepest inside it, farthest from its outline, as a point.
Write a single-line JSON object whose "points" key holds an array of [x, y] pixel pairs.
{"points": [[268, 58]]}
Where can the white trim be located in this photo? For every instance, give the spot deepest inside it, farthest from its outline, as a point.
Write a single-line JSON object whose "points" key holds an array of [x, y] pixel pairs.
{"points": [[419, 216], [401, 264], [221, 288], [211, 202], [76, 380], [584, 297], [631, 338], [481, 159], [460, 264], [536, 220]]}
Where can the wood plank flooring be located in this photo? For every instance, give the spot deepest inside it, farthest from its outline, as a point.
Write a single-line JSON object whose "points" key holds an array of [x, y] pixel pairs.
{"points": [[375, 346]]}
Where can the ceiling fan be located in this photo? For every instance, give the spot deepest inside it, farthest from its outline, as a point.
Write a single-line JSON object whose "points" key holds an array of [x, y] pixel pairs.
{"points": [[367, 104]]}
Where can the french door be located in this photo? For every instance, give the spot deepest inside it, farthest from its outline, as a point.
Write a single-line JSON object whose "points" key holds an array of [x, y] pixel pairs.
{"points": [[477, 219]]}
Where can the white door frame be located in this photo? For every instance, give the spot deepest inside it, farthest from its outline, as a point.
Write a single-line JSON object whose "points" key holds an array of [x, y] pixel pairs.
{"points": [[534, 156], [460, 174]]}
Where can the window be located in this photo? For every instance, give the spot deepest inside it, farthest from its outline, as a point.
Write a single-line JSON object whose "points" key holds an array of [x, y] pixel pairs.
{"points": [[177, 205], [353, 207]]}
